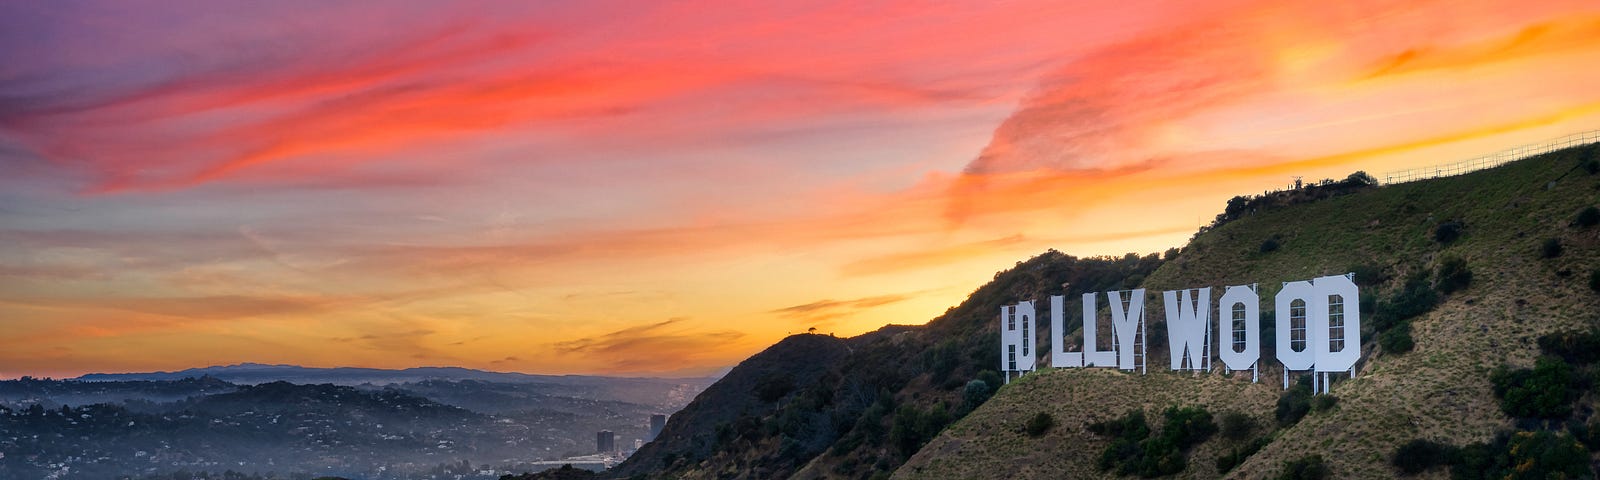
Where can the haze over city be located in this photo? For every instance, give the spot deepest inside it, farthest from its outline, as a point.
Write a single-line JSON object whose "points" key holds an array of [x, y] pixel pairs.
{"points": [[664, 188]]}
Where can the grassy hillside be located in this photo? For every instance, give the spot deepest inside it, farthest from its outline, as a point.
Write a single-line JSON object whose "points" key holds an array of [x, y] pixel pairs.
{"points": [[1440, 390]]}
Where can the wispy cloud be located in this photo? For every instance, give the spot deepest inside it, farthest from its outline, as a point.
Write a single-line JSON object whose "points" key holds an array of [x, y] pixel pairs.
{"points": [[825, 310], [644, 347]]}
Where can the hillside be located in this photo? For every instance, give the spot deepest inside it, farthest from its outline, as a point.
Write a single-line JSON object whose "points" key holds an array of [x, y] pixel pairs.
{"points": [[746, 394], [1520, 290], [859, 407]]}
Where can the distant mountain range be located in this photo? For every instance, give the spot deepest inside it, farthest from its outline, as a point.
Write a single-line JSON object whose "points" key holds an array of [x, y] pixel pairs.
{"points": [[254, 373], [415, 424]]}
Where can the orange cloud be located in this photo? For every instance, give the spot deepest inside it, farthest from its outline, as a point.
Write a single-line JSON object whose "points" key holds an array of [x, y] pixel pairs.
{"points": [[1553, 37], [651, 347], [824, 310]]}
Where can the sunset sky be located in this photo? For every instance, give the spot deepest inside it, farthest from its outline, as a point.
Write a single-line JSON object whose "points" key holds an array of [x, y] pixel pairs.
{"points": [[664, 188]]}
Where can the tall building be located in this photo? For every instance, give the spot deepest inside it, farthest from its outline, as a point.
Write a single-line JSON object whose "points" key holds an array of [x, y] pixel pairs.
{"points": [[657, 422], [605, 441]]}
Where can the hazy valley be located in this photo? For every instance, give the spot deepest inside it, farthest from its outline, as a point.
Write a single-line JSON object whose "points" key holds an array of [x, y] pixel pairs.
{"points": [[430, 424]]}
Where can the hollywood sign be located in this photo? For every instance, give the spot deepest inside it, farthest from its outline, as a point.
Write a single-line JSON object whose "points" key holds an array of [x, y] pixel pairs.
{"points": [[1318, 330]]}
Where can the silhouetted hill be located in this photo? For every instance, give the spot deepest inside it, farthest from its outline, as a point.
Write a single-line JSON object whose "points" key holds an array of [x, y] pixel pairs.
{"points": [[737, 403], [325, 399], [26, 391]]}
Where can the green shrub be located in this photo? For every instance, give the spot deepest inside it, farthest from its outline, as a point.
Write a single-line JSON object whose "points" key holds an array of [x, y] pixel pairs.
{"points": [[1293, 404], [1270, 245], [1586, 433], [1397, 340], [1588, 217], [942, 360], [975, 393], [1546, 454], [1367, 275], [1187, 426], [903, 430], [1592, 166], [1447, 232], [1453, 274], [1523, 455], [992, 377], [1323, 403], [1238, 455], [1414, 298], [1236, 426], [1040, 423], [1304, 468], [1133, 450], [1551, 248], [772, 387], [1481, 461], [1130, 425], [1543, 392], [1124, 453], [1419, 455], [912, 427], [1577, 348]]}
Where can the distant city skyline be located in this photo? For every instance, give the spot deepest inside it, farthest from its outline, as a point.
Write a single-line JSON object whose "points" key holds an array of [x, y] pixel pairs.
{"points": [[663, 189]]}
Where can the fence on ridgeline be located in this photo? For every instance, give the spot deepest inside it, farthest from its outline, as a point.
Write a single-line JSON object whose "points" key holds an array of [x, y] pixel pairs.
{"points": [[1491, 160]]}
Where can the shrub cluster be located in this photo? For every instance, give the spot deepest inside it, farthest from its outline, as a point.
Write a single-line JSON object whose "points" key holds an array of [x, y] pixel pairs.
{"points": [[1236, 456], [1305, 468], [1453, 274], [1588, 217], [974, 394], [1548, 389], [1134, 450], [1270, 245], [912, 428], [1419, 455], [1039, 424], [1447, 232], [1392, 320], [1542, 392], [1578, 348], [1323, 403], [1294, 403], [1397, 339], [1524, 454], [942, 360], [1551, 248], [1236, 426], [1367, 275], [1240, 206], [1587, 434]]}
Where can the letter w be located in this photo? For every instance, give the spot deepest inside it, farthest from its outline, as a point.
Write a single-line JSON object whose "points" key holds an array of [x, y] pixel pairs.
{"points": [[1187, 322]]}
